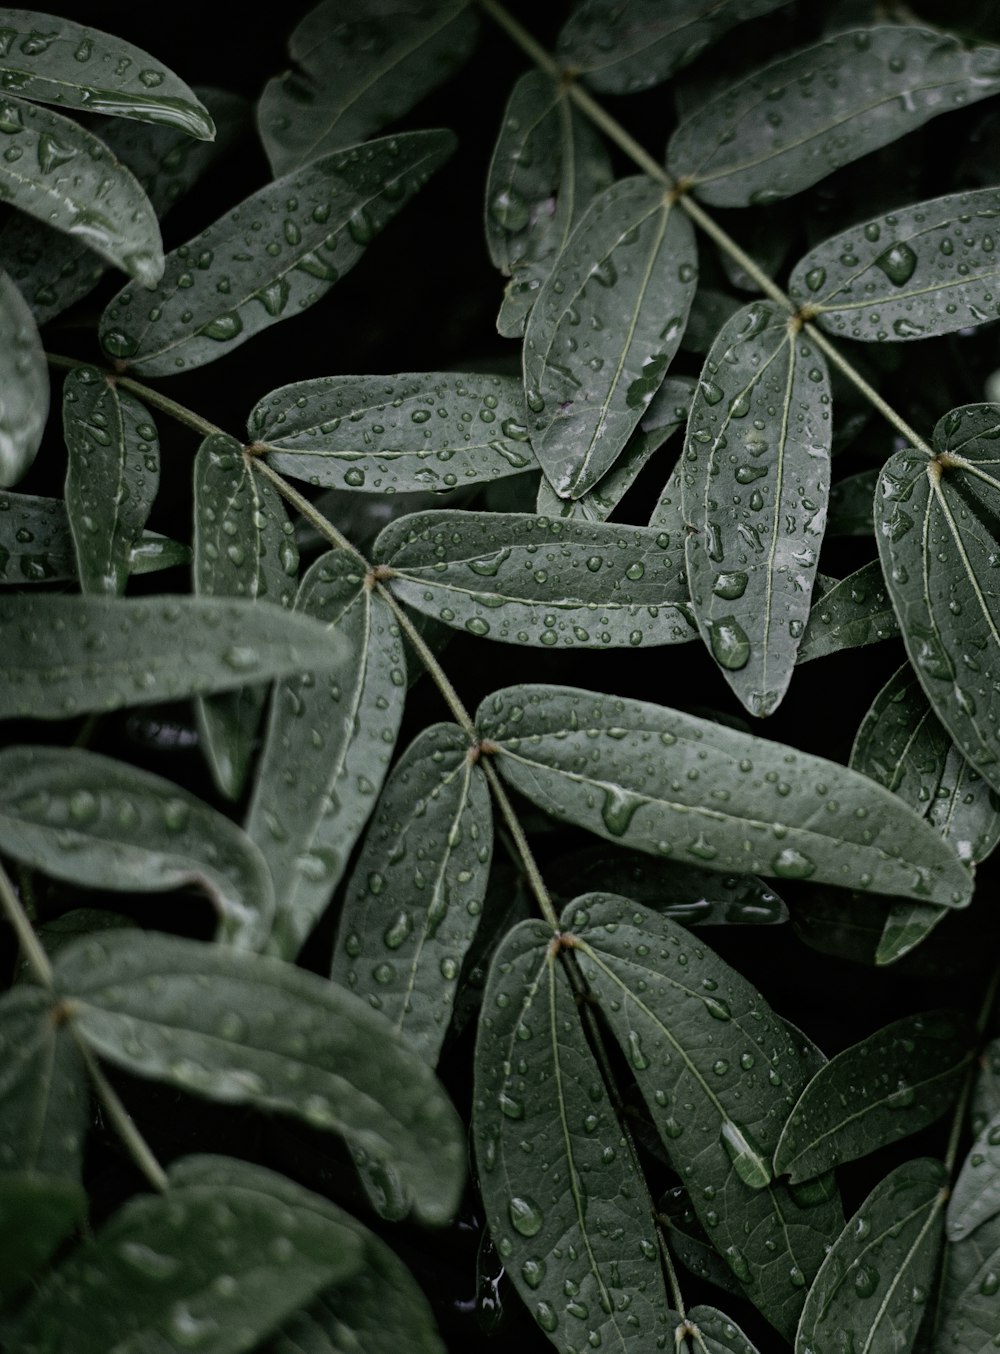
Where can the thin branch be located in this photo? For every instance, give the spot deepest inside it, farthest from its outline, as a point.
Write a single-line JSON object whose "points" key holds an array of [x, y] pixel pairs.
{"points": [[31, 947], [145, 393], [138, 1147]]}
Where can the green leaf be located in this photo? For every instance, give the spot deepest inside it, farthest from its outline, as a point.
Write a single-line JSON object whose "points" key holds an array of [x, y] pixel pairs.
{"points": [[717, 1334], [37, 1212], [827, 105], [920, 271], [538, 580], [986, 1091], [970, 1305], [852, 612], [216, 1262], [247, 1029], [244, 546], [44, 1100], [53, 60], [718, 1072], [24, 376], [68, 655], [884, 1088], [112, 476], [850, 511], [623, 48], [756, 500], [414, 898], [547, 166], [976, 1196], [395, 434], [99, 822], [569, 1214], [327, 748], [358, 66], [607, 321], [873, 1286], [67, 178], [265, 260], [35, 544], [619, 768], [152, 553], [689, 1242]]}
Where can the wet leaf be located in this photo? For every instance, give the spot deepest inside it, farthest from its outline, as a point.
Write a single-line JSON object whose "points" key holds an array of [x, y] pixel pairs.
{"points": [[970, 1304], [216, 1262], [327, 748], [538, 580], [414, 898], [689, 1242], [570, 1216], [850, 511], [112, 476], [37, 1212], [244, 546], [55, 170], [359, 65], [827, 105], [976, 1196], [35, 544], [874, 1284], [248, 1029], [985, 1104], [851, 612], [153, 553], [395, 434], [718, 1072], [53, 60], [24, 376], [919, 271], [621, 768], [548, 164], [96, 821], [266, 260], [606, 324], [717, 1334], [884, 1088], [755, 476], [623, 48]]}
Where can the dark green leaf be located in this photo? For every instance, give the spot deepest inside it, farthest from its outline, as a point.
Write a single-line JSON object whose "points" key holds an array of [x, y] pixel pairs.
{"points": [[970, 1303], [850, 512], [976, 1196], [601, 335], [872, 1288], [690, 1243], [826, 106], [244, 546], [67, 178], [717, 1334], [247, 1029], [621, 769], [756, 500], [852, 612], [327, 748], [35, 544], [920, 271], [24, 377], [622, 48], [986, 1091], [395, 434], [153, 553], [569, 1214], [358, 66], [37, 1212], [112, 475], [215, 1263], [710, 310], [413, 901], [64, 656], [538, 580], [53, 60], [99, 822], [264, 260]]}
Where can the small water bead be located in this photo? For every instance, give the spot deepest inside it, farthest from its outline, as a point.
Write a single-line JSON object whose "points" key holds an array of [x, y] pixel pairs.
{"points": [[525, 1215]]}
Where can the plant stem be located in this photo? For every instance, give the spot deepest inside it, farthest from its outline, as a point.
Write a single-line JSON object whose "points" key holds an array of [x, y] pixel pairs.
{"points": [[725, 241], [145, 393], [123, 1122], [435, 670], [545, 904], [302, 505], [37, 959]]}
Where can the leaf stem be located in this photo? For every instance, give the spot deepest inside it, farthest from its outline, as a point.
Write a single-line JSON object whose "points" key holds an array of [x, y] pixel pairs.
{"points": [[31, 948], [725, 241], [434, 668], [302, 505], [123, 1122], [535, 880], [145, 393]]}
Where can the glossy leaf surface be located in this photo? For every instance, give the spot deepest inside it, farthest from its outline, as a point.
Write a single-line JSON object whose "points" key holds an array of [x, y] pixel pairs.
{"points": [[66, 655], [756, 500], [35, 543], [619, 768], [873, 1286], [969, 1304], [576, 1233], [920, 271], [25, 379], [112, 475], [976, 1196], [97, 821], [826, 105], [717, 1334], [395, 434], [414, 899], [359, 65], [247, 1029], [607, 322], [37, 1213], [244, 546], [853, 612], [327, 748], [886, 1087], [265, 260], [538, 580]]}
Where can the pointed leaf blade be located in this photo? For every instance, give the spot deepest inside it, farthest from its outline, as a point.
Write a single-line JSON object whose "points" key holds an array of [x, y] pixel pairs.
{"points": [[852, 612], [756, 501], [227, 284], [602, 333], [24, 376], [718, 1334]]}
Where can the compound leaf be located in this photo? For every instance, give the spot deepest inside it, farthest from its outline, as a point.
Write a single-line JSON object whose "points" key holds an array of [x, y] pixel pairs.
{"points": [[24, 377]]}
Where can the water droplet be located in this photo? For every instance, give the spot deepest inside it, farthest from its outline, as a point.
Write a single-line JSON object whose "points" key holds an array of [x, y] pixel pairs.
{"points": [[525, 1215], [904, 328], [738, 1264], [398, 929], [729, 586], [717, 1008], [748, 1162], [815, 278], [533, 1272], [546, 1317], [865, 1281], [711, 393], [792, 864], [729, 643], [636, 1056], [222, 328], [510, 210], [148, 1261], [898, 263], [619, 808]]}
